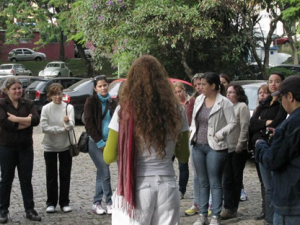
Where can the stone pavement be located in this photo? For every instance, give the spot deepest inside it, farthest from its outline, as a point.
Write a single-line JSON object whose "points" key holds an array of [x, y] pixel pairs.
{"points": [[83, 186]]}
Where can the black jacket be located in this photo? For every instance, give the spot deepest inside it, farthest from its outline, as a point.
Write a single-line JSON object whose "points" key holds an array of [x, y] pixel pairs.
{"points": [[93, 115], [10, 136]]}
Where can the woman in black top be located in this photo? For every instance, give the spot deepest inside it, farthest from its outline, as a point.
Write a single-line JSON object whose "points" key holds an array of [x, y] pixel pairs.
{"points": [[18, 116], [269, 113]]}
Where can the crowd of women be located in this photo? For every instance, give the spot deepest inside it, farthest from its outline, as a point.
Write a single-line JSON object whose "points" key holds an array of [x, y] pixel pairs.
{"points": [[153, 123]]}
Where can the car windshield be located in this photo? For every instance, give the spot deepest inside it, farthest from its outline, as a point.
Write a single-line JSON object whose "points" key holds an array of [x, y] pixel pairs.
{"points": [[53, 65]]}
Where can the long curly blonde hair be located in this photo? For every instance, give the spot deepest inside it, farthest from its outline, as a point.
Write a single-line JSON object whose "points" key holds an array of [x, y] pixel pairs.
{"points": [[156, 110]]}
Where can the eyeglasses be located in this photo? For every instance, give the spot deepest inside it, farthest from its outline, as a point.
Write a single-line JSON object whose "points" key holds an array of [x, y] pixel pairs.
{"points": [[230, 92], [100, 77]]}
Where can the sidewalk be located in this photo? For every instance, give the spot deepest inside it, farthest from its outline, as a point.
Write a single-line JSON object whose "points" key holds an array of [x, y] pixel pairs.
{"points": [[83, 187]]}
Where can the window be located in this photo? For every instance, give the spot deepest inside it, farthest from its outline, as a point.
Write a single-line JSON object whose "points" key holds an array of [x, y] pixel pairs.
{"points": [[6, 67], [19, 52], [27, 52]]}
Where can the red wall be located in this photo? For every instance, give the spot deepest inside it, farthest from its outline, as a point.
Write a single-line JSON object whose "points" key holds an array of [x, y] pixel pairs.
{"points": [[51, 50]]}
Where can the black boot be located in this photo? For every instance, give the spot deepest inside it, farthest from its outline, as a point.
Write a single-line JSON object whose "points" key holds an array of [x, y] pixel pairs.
{"points": [[262, 215], [3, 217], [32, 215]]}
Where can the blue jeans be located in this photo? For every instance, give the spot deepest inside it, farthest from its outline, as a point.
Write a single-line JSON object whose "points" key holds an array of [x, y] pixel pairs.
{"points": [[286, 220], [10, 158], [266, 176], [103, 186], [209, 165], [196, 187]]}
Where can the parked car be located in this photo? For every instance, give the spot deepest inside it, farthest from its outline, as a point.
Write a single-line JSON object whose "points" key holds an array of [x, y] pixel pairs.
{"points": [[56, 69], [25, 54], [37, 91], [251, 92], [14, 69], [26, 81], [77, 93], [295, 69], [281, 41]]}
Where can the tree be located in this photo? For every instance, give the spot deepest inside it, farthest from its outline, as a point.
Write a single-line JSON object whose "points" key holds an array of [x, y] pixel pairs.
{"points": [[188, 36], [291, 20]]}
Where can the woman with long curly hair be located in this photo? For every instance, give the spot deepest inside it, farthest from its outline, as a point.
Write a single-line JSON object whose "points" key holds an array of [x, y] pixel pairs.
{"points": [[147, 128]]}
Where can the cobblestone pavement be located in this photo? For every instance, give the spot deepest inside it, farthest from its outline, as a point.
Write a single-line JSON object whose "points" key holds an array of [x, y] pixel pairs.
{"points": [[83, 186]]}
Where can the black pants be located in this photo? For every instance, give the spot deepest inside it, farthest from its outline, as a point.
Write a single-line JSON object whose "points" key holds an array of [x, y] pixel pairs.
{"points": [[10, 158], [233, 179], [183, 175], [65, 165]]}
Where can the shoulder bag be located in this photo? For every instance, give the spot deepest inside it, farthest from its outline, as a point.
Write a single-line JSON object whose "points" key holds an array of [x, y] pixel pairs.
{"points": [[74, 151]]}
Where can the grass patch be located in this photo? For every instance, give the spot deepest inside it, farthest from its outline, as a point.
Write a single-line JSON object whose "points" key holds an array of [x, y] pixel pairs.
{"points": [[75, 65]]}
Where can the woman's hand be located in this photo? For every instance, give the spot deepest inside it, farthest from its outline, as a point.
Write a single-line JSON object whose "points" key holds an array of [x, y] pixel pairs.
{"points": [[271, 131], [66, 119], [269, 122], [12, 117]]}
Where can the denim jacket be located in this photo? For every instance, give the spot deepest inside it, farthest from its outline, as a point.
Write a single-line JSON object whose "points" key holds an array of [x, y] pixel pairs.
{"points": [[283, 158]]}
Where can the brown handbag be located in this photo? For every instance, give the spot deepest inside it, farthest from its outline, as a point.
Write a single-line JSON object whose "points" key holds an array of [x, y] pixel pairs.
{"points": [[73, 148]]}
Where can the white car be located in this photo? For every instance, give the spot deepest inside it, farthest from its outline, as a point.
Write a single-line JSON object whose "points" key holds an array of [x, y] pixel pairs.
{"points": [[56, 69]]}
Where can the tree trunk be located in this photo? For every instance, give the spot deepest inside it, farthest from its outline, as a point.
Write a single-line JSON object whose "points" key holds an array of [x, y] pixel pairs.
{"points": [[90, 72], [184, 52], [62, 47]]}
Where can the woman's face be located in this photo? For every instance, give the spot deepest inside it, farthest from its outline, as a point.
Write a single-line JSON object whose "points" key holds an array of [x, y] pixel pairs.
{"points": [[231, 95], [180, 93], [224, 82], [57, 97], [206, 88], [262, 94], [274, 82], [197, 86], [101, 87], [15, 91]]}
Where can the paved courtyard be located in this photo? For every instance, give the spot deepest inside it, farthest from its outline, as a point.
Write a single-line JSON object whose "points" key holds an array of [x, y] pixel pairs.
{"points": [[83, 186]]}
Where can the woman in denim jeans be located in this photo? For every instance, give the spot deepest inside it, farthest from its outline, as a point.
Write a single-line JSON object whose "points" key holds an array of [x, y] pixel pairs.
{"points": [[213, 119], [98, 110]]}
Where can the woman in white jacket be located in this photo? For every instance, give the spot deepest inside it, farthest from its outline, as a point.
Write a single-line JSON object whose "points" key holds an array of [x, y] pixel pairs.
{"points": [[56, 125], [213, 119]]}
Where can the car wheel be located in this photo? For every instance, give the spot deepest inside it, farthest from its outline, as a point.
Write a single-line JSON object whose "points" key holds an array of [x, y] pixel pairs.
{"points": [[71, 74], [38, 59], [59, 75], [82, 118], [286, 42], [14, 60], [30, 74]]}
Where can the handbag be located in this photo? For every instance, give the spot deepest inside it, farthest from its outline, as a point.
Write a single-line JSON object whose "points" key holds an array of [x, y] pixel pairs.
{"points": [[83, 142], [73, 148]]}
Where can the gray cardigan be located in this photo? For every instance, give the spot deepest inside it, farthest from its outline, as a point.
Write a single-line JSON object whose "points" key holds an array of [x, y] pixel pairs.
{"points": [[238, 138]]}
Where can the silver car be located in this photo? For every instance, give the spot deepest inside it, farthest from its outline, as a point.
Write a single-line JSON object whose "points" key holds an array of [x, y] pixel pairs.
{"points": [[25, 54], [56, 69], [14, 69]]}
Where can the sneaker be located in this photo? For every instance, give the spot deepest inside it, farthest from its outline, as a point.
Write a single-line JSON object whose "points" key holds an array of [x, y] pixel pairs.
{"points": [[3, 217], [33, 215], [98, 209], [50, 209], [192, 211], [67, 209], [215, 220], [202, 220], [243, 196], [109, 209], [227, 214]]}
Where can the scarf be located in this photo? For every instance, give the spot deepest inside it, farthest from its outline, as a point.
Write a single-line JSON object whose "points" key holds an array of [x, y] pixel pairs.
{"points": [[127, 163]]}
